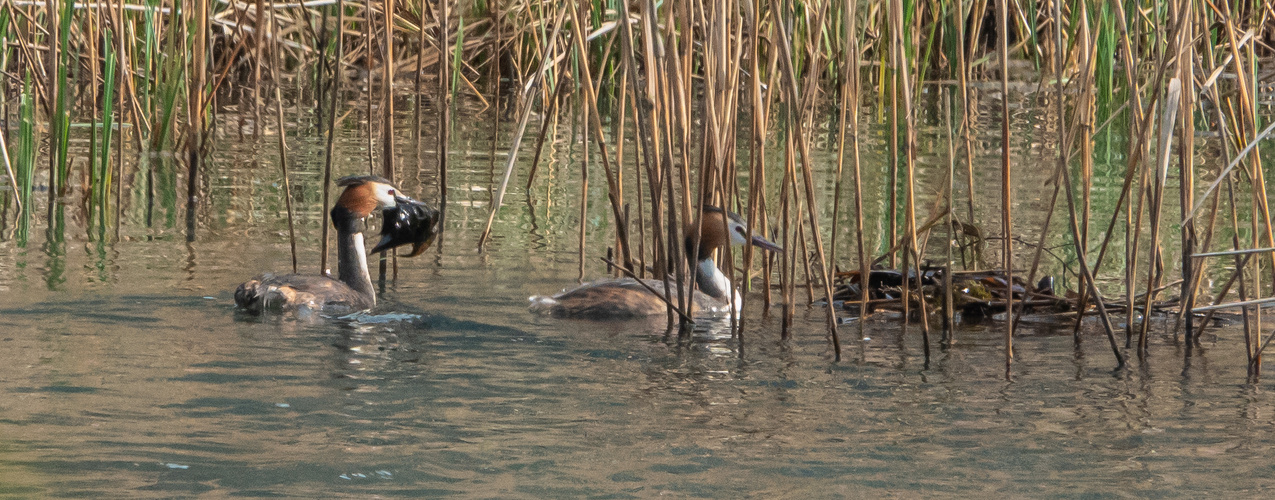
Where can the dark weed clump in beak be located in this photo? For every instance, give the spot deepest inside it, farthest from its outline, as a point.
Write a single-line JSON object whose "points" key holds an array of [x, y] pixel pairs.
{"points": [[410, 221]]}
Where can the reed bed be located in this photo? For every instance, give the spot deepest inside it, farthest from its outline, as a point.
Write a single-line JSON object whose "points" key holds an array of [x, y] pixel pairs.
{"points": [[721, 102]]}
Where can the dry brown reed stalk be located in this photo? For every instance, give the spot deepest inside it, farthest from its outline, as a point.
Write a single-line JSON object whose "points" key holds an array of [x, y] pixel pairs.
{"points": [[967, 117], [903, 80], [335, 87], [1186, 168], [283, 134], [387, 93], [13, 179], [1139, 127], [756, 145], [1261, 219], [369, 63], [54, 43], [1066, 136], [593, 118], [444, 104], [798, 134], [846, 72], [1168, 120], [387, 118], [787, 266], [1086, 119], [648, 119], [117, 15], [949, 305], [584, 188], [259, 33], [862, 253], [1007, 243], [195, 115]]}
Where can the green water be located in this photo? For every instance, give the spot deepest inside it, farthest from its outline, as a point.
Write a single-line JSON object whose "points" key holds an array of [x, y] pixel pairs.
{"points": [[126, 373]]}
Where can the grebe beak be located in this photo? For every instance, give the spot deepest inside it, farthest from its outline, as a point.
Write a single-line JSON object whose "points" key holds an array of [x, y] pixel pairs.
{"points": [[766, 244], [409, 221]]}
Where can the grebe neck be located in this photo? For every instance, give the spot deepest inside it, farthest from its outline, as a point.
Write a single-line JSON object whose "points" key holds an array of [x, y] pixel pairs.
{"points": [[711, 281], [351, 258]]}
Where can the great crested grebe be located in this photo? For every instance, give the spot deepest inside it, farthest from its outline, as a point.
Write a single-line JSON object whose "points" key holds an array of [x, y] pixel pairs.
{"points": [[406, 221], [625, 298]]}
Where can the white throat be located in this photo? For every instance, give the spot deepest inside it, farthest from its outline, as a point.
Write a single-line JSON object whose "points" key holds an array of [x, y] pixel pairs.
{"points": [[711, 280], [361, 252]]}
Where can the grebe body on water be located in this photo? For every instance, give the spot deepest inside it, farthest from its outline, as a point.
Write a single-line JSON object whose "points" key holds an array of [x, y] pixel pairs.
{"points": [[407, 221], [626, 298]]}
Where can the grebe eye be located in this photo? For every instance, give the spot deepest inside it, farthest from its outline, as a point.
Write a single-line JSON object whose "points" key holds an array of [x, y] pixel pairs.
{"points": [[390, 192]]}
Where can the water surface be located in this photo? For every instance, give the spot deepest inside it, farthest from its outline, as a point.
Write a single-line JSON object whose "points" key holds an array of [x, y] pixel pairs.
{"points": [[125, 371]]}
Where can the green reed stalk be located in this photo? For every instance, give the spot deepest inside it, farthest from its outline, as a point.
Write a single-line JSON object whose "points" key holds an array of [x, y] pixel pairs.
{"points": [[60, 114], [121, 70], [26, 155], [169, 80], [93, 186], [108, 126]]}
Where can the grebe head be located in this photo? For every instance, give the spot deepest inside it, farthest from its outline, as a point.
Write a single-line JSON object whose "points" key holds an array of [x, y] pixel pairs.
{"points": [[406, 220], [715, 221]]}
